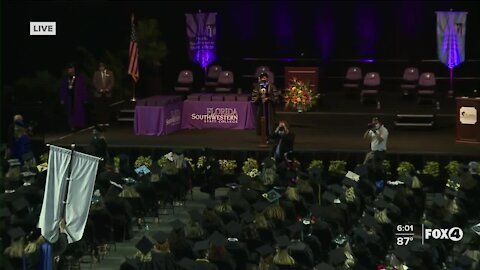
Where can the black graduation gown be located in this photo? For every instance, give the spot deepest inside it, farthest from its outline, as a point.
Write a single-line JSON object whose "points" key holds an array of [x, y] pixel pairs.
{"points": [[163, 261], [202, 265]]}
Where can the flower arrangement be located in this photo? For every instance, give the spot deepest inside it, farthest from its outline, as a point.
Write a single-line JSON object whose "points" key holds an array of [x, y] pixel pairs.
{"points": [[315, 164], [253, 173], [143, 160], [453, 185], [300, 95], [227, 166], [453, 167], [431, 168], [249, 165], [337, 167], [163, 161], [201, 162], [44, 158], [405, 167]]}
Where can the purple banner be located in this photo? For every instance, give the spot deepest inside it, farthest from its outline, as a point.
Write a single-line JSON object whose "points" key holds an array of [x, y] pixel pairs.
{"points": [[221, 114], [158, 120], [201, 32]]}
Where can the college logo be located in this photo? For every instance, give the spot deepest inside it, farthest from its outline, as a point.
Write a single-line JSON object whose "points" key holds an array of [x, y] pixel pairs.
{"points": [[468, 115], [174, 118], [218, 115]]}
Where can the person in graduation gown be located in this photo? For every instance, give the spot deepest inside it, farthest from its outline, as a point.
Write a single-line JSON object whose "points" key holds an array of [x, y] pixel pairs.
{"points": [[179, 244], [202, 262], [74, 96], [32, 192], [161, 255], [98, 145], [22, 144], [17, 122], [15, 251], [265, 96]]}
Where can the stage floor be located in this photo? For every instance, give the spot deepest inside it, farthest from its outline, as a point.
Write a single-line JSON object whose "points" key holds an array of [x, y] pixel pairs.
{"points": [[321, 132]]}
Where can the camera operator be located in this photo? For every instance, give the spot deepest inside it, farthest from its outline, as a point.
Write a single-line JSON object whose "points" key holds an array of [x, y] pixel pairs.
{"points": [[377, 133], [284, 139]]}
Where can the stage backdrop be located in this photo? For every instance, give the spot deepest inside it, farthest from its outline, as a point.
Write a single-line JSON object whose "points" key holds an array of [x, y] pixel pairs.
{"points": [[451, 31], [201, 32]]}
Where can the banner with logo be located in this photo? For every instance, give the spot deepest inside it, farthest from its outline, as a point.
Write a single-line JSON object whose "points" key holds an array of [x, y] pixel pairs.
{"points": [[201, 33], [468, 115], [451, 31]]}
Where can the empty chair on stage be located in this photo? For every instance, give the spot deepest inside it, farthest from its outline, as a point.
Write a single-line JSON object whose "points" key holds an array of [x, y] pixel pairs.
{"points": [[184, 82], [410, 80], [427, 87], [211, 81], [371, 88], [353, 80], [225, 82]]}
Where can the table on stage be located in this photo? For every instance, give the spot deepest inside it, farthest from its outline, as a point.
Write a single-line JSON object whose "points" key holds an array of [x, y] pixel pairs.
{"points": [[158, 115], [202, 111]]}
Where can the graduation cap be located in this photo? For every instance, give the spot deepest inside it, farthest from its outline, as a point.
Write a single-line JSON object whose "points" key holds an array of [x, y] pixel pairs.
{"points": [[337, 189], [349, 182], [325, 266], [210, 204], [465, 261], [380, 204], [233, 185], [265, 250], [144, 245], [329, 197], [217, 238], [353, 176], [370, 221], [186, 263], [4, 212], [132, 263], [142, 170], [295, 228], [20, 204], [476, 228], [16, 233], [268, 162], [161, 237], [177, 224], [282, 241], [260, 206], [195, 215], [439, 200], [247, 217], [272, 195], [389, 193], [201, 245], [337, 256], [364, 236], [42, 167], [402, 253], [34, 235], [234, 228]]}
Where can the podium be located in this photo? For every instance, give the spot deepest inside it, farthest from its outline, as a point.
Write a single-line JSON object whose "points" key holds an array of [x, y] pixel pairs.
{"points": [[468, 124]]}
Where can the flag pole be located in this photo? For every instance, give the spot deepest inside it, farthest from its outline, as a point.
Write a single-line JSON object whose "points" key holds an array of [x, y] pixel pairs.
{"points": [[133, 95], [450, 91]]}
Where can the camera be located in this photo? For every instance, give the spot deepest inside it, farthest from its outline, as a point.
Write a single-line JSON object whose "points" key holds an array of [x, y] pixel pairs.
{"points": [[371, 125], [281, 129]]}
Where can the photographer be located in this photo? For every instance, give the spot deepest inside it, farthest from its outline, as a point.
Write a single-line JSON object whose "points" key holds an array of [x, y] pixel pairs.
{"points": [[283, 139], [377, 133], [265, 95]]}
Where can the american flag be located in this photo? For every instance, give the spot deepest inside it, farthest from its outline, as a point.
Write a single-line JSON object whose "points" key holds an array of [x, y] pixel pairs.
{"points": [[133, 54]]}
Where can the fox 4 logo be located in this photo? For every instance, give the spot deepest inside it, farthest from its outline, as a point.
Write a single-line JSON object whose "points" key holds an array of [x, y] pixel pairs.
{"points": [[454, 234]]}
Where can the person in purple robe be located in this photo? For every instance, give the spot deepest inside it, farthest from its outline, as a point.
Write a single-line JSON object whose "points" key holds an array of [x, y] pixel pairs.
{"points": [[73, 95]]}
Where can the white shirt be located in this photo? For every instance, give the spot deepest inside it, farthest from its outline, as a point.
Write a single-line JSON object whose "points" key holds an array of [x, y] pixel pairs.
{"points": [[375, 143]]}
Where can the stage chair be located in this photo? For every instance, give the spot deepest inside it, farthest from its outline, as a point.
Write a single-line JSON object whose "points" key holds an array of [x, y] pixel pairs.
{"points": [[184, 82], [260, 70], [212, 76], [353, 79], [225, 82], [371, 88], [427, 87], [410, 80]]}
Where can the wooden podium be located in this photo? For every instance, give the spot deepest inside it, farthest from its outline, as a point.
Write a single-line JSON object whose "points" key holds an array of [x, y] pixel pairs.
{"points": [[468, 120], [305, 74]]}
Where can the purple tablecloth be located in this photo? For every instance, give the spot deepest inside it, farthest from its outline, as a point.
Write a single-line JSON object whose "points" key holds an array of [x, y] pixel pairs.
{"points": [[217, 114], [159, 115]]}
